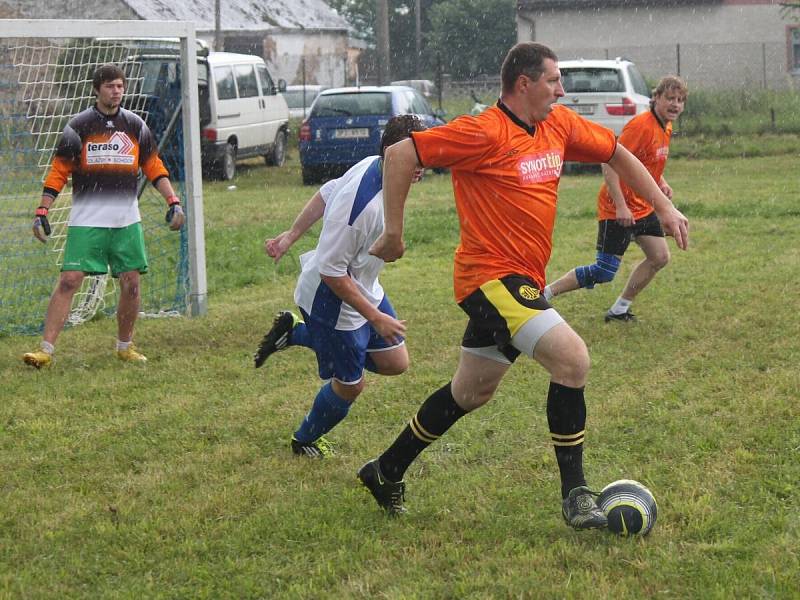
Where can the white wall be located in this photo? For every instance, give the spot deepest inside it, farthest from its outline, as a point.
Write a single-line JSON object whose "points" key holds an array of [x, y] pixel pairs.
{"points": [[720, 45]]}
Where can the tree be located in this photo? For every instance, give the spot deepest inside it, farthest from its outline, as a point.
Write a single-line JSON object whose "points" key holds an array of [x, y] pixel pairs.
{"points": [[472, 36]]}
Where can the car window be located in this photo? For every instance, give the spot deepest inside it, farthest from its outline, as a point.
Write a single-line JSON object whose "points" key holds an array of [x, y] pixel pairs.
{"points": [[226, 87], [639, 84], [585, 79], [267, 86], [403, 102], [419, 105], [246, 80], [360, 103]]}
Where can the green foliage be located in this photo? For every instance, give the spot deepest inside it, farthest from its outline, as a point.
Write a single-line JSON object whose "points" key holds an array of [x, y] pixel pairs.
{"points": [[472, 36], [744, 111], [176, 480]]}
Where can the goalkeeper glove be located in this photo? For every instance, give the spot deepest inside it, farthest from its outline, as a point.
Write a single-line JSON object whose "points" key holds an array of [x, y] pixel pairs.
{"points": [[174, 210], [41, 224]]}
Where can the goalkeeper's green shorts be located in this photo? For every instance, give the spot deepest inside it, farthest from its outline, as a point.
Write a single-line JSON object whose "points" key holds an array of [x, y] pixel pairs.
{"points": [[94, 249]]}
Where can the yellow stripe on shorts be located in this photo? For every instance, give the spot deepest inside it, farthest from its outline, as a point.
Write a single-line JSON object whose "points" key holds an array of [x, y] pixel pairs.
{"points": [[514, 313]]}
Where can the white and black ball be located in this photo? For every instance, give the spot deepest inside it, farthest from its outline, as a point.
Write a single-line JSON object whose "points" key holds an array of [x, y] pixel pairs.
{"points": [[629, 506]]}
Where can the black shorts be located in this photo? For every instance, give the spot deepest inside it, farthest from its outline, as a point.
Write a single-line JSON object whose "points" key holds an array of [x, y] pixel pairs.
{"points": [[613, 238], [498, 309]]}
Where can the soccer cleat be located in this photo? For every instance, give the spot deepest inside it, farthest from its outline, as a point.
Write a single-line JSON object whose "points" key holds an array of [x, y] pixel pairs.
{"points": [[581, 511], [319, 448], [277, 338], [131, 355], [387, 494], [626, 316], [38, 359]]}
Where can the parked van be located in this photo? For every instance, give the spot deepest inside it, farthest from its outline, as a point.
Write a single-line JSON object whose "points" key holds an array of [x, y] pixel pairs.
{"points": [[241, 114]]}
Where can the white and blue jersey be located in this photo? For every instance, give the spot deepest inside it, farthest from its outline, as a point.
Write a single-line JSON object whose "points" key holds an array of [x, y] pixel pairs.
{"points": [[352, 221]]}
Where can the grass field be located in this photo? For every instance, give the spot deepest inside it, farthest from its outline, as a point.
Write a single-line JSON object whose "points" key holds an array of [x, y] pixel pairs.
{"points": [[176, 481]]}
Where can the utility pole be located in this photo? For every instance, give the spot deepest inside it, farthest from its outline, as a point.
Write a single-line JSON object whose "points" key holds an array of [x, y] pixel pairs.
{"points": [[217, 26], [382, 39], [418, 39]]}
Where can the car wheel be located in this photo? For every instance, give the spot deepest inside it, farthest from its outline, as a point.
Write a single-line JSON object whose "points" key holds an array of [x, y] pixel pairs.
{"points": [[227, 170], [277, 155], [310, 176]]}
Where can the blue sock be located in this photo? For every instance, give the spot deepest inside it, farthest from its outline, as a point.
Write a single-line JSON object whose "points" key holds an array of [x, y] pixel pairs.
{"points": [[328, 409], [300, 336]]}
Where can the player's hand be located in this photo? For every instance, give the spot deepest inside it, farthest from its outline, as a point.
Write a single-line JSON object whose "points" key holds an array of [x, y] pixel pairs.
{"points": [[175, 217], [418, 175], [665, 189], [676, 225], [388, 248], [41, 226], [625, 216], [390, 329], [277, 246]]}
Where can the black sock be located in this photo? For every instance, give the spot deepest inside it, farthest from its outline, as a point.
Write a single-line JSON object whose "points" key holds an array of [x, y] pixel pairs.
{"points": [[566, 416], [436, 415]]}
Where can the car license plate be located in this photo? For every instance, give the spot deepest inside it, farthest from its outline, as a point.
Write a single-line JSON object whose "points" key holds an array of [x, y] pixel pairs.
{"points": [[352, 133], [582, 109]]}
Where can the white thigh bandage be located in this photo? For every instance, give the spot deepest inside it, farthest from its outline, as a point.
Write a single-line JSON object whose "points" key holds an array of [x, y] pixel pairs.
{"points": [[531, 332]]}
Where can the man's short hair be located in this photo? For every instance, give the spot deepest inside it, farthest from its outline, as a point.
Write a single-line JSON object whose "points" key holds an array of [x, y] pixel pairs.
{"points": [[399, 128], [671, 83], [105, 73], [526, 58]]}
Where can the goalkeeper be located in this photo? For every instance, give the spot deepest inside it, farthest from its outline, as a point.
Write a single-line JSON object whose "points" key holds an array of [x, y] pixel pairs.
{"points": [[102, 148], [347, 319]]}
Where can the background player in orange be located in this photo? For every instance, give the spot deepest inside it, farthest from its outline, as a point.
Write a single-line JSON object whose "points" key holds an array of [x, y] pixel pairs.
{"points": [[623, 215], [102, 148], [506, 165]]}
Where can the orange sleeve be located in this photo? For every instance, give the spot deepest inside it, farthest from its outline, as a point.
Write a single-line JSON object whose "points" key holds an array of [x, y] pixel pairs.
{"points": [[59, 173], [461, 144], [153, 168], [588, 141], [634, 137]]}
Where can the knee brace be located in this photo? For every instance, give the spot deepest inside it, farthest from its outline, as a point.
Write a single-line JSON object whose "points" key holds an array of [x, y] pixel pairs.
{"points": [[602, 271]]}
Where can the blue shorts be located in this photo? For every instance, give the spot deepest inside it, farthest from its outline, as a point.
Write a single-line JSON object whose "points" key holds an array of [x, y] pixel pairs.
{"points": [[342, 355]]}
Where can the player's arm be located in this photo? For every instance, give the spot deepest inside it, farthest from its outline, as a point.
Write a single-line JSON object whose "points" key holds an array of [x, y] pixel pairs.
{"points": [[399, 167], [640, 181], [624, 214], [664, 187], [312, 212], [388, 327]]}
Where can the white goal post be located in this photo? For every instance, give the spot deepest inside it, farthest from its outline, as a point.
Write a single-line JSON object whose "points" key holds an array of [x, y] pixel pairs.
{"points": [[45, 79]]}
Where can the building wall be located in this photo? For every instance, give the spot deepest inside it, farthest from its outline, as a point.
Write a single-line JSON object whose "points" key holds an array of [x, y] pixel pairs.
{"points": [[723, 45], [324, 54]]}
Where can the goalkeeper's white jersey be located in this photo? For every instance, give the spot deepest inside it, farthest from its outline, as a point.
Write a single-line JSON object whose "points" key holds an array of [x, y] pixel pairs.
{"points": [[352, 221]]}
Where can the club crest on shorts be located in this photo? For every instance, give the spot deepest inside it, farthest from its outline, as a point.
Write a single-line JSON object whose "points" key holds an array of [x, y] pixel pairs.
{"points": [[528, 292]]}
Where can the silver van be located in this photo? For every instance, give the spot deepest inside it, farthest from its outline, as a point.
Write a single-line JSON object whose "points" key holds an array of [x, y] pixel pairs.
{"points": [[242, 114]]}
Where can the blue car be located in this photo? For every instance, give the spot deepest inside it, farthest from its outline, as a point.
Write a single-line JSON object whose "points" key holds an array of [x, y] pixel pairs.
{"points": [[345, 125]]}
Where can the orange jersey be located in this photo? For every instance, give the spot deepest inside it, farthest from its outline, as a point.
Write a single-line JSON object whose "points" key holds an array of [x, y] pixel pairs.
{"points": [[505, 182], [648, 140]]}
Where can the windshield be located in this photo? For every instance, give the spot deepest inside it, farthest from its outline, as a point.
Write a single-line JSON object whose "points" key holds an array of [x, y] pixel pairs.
{"points": [[294, 98], [584, 79], [357, 103]]}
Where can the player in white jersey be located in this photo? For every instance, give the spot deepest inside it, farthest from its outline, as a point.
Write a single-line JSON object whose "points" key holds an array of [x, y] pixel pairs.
{"points": [[347, 318]]}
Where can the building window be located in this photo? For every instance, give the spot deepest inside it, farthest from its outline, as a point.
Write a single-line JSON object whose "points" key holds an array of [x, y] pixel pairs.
{"points": [[794, 49]]}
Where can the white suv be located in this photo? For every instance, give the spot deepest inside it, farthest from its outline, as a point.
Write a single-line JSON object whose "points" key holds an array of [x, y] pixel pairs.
{"points": [[608, 92]]}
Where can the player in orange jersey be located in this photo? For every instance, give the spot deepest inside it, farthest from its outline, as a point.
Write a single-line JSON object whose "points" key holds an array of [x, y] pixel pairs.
{"points": [[506, 165], [102, 148], [623, 215]]}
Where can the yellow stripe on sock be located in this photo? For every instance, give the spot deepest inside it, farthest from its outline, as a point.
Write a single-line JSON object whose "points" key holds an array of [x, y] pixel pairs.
{"points": [[420, 431], [570, 439]]}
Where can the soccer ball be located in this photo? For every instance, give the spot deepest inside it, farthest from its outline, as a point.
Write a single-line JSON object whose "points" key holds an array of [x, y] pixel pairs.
{"points": [[630, 507]]}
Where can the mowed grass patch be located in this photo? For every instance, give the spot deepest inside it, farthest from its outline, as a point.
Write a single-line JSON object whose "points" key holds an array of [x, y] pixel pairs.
{"points": [[176, 480]]}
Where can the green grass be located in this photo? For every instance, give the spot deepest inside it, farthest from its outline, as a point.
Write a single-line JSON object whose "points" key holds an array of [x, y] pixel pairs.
{"points": [[176, 481]]}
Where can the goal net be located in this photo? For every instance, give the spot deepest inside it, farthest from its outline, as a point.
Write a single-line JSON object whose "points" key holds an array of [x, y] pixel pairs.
{"points": [[46, 70]]}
